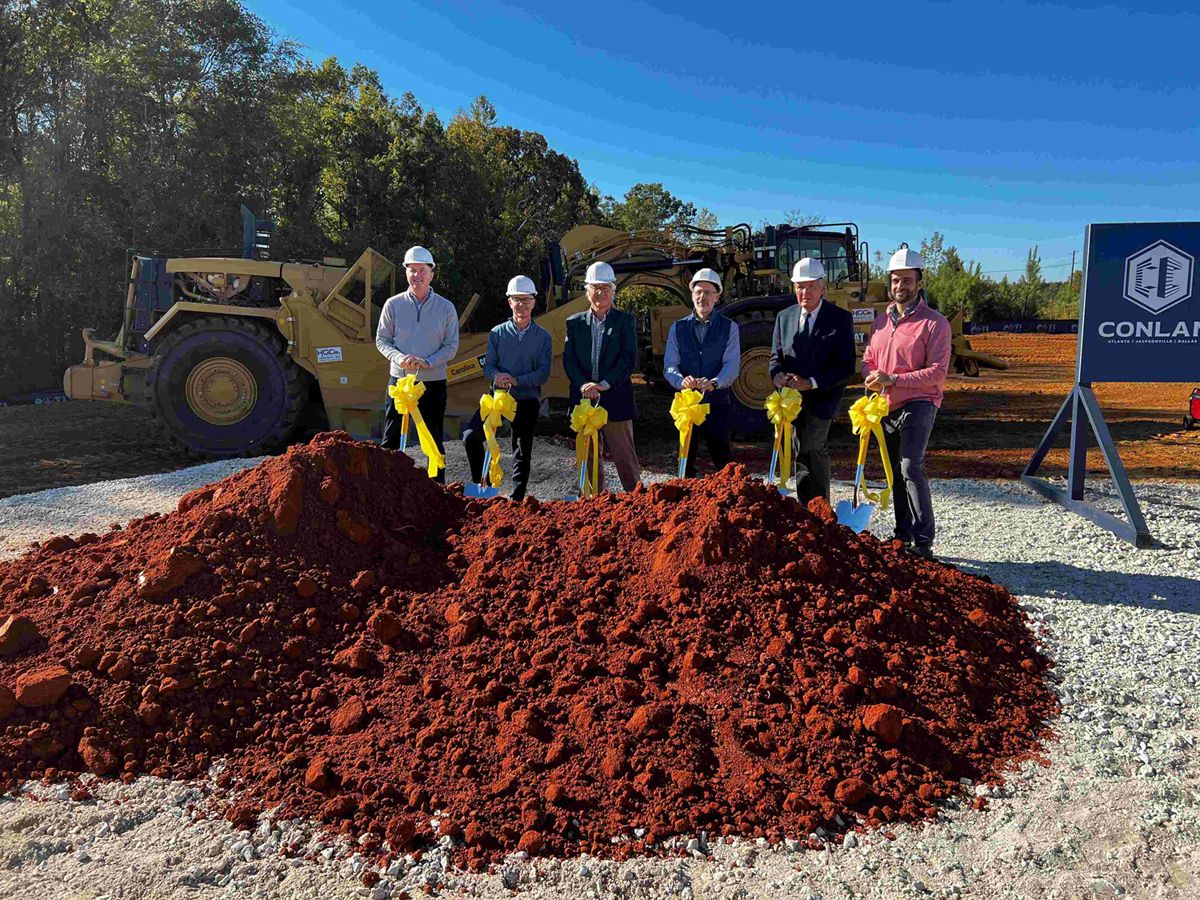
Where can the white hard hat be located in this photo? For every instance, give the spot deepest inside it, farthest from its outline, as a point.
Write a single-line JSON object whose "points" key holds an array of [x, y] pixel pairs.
{"points": [[709, 275], [521, 284], [905, 258], [418, 254], [600, 273], [808, 269]]}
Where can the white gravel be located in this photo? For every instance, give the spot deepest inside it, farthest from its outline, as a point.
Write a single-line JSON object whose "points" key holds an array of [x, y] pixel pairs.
{"points": [[1115, 813]]}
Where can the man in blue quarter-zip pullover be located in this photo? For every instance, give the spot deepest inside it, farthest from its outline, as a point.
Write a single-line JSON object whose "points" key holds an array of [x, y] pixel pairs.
{"points": [[418, 333], [703, 354], [519, 353]]}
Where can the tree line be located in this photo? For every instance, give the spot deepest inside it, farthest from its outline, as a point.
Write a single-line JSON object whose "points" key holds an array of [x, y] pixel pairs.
{"points": [[954, 285], [142, 125]]}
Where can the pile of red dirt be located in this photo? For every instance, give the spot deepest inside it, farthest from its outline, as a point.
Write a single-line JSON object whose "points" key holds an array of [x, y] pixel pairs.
{"points": [[376, 652]]}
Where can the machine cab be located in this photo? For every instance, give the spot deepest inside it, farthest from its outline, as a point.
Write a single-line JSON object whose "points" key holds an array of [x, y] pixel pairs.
{"points": [[780, 247]]}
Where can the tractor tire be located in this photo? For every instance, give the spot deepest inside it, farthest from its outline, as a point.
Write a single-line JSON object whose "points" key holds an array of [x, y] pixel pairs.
{"points": [[1188, 423], [753, 383], [224, 386]]}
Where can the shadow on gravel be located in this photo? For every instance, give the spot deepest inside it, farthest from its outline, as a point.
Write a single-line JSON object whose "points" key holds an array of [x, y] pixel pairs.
{"points": [[1096, 587]]}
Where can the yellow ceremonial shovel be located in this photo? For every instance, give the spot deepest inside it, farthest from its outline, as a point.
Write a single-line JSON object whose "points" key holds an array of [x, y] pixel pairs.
{"points": [[493, 409], [782, 406], [865, 417], [687, 411], [586, 422]]}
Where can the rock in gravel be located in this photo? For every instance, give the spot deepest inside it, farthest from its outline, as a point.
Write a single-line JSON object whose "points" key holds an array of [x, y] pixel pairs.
{"points": [[349, 716], [16, 634], [43, 686], [884, 721], [98, 757]]}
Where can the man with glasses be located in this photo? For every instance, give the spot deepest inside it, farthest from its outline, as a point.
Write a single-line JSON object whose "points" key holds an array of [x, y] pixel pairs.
{"points": [[518, 358], [599, 356], [813, 351], [703, 353]]}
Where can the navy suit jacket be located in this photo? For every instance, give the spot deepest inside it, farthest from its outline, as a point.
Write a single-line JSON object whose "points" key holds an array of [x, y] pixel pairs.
{"points": [[618, 357], [827, 354]]}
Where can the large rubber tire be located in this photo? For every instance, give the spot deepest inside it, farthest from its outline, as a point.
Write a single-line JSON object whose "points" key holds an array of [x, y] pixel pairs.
{"points": [[224, 386], [753, 384]]}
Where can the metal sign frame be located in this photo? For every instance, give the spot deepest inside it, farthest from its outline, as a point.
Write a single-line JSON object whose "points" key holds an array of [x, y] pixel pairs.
{"points": [[1082, 409]]}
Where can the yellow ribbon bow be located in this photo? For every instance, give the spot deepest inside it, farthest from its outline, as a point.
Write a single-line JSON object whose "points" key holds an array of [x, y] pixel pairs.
{"points": [[586, 422], [782, 407], [493, 408], [865, 417], [405, 393], [688, 412]]}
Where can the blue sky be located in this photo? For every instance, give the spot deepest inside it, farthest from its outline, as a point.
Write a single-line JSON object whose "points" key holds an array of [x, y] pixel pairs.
{"points": [[1002, 125]]}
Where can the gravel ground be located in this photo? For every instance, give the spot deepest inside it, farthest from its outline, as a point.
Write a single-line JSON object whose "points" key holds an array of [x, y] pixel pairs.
{"points": [[1116, 811]]}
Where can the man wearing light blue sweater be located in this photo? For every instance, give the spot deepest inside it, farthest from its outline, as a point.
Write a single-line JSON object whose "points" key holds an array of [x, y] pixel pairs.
{"points": [[519, 354], [418, 333]]}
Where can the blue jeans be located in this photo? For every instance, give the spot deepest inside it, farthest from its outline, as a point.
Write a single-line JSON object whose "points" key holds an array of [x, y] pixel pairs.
{"points": [[907, 434]]}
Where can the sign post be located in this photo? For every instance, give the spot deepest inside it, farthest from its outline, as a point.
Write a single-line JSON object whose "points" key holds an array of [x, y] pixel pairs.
{"points": [[1139, 320]]}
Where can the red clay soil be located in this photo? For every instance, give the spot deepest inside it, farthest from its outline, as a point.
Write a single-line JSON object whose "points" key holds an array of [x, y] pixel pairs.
{"points": [[367, 648]]}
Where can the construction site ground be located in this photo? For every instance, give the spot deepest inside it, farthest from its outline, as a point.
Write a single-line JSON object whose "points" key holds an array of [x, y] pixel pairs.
{"points": [[987, 428]]}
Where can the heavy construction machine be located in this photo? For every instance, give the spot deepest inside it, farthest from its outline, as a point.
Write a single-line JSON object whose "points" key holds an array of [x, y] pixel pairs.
{"points": [[230, 354], [756, 275]]}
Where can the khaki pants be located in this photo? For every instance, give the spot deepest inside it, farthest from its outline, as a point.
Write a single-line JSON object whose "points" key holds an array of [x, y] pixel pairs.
{"points": [[618, 438]]}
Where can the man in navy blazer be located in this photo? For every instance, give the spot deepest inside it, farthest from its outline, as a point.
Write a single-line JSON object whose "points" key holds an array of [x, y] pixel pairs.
{"points": [[813, 351], [599, 356]]}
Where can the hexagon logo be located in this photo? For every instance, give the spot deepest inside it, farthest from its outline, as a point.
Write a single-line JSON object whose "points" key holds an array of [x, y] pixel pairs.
{"points": [[1158, 277]]}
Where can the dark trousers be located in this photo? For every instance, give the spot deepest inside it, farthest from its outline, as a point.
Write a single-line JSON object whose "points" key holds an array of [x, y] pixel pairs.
{"points": [[432, 406], [810, 440], [523, 424], [907, 434], [715, 431]]}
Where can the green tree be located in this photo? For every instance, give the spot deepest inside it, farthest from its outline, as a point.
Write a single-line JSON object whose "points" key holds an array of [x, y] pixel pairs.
{"points": [[933, 251], [1030, 287], [139, 124], [798, 217], [707, 219], [649, 207], [1064, 300]]}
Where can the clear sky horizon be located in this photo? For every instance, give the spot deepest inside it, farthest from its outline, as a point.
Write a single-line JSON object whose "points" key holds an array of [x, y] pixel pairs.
{"points": [[1000, 125]]}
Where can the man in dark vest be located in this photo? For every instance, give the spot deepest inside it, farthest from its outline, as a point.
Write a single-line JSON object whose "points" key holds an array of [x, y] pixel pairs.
{"points": [[813, 352], [703, 353]]}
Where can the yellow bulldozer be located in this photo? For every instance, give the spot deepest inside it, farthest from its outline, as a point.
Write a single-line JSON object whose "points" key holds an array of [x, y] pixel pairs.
{"points": [[229, 354]]}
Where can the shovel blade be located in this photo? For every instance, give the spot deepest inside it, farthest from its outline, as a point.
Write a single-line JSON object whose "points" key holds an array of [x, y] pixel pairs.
{"points": [[578, 495], [856, 518], [481, 492]]}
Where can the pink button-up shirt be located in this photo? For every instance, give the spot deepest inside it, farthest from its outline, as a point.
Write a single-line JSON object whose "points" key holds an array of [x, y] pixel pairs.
{"points": [[916, 352]]}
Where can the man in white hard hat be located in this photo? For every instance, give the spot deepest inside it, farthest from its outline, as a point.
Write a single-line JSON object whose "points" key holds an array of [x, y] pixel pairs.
{"points": [[907, 359], [703, 353], [812, 351], [418, 333], [519, 353], [599, 356]]}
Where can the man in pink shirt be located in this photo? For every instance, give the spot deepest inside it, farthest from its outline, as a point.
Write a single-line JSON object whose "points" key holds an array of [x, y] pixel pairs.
{"points": [[906, 360]]}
